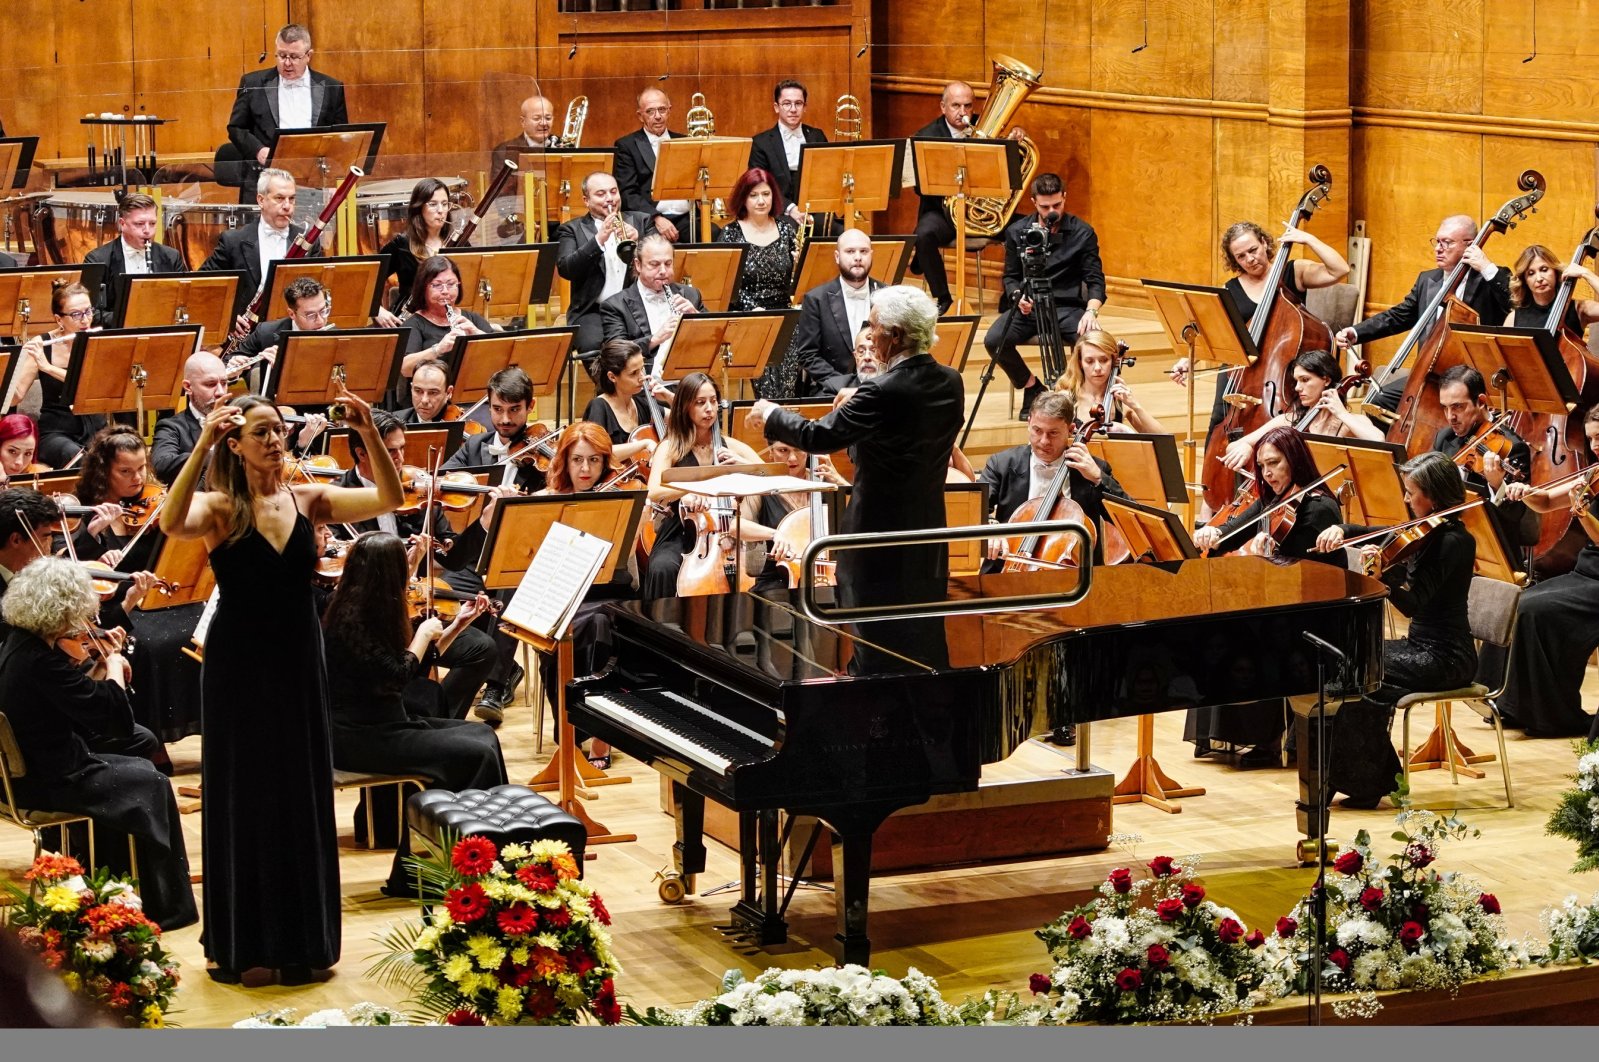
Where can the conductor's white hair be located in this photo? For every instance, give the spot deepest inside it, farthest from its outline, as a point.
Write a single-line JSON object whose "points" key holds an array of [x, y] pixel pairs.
{"points": [[50, 596], [912, 311]]}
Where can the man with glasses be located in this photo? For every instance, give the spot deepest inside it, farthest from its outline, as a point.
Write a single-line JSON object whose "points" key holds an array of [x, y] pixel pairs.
{"points": [[777, 150], [635, 167], [252, 248], [1485, 288], [133, 251], [309, 310], [288, 96]]}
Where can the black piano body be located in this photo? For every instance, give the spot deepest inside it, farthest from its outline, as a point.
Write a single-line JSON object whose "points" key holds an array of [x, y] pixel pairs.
{"points": [[742, 700]]}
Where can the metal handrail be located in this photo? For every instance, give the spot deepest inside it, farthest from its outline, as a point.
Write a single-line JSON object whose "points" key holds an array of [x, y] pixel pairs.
{"points": [[948, 607]]}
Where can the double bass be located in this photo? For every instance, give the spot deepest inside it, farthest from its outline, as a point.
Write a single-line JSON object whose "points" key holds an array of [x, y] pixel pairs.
{"points": [[1420, 414], [1281, 328]]}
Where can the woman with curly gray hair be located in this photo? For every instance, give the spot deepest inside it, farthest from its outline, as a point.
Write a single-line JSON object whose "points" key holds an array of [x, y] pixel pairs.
{"points": [[68, 718]]}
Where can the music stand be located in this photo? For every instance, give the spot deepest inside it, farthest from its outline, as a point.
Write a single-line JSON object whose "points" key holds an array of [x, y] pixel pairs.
{"points": [[311, 366], [185, 564], [718, 267], [689, 167], [1497, 558], [1368, 489], [516, 531], [966, 505], [851, 178], [352, 283], [735, 345], [154, 300], [318, 155], [16, 159], [442, 438], [25, 292], [504, 282], [1522, 364], [1155, 535], [119, 369], [563, 169], [890, 256], [1206, 321], [954, 343], [541, 352], [1147, 466], [810, 409], [959, 170]]}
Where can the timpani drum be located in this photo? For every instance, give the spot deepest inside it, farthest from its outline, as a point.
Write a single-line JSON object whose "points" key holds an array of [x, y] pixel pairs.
{"points": [[75, 221], [195, 229], [380, 207]]}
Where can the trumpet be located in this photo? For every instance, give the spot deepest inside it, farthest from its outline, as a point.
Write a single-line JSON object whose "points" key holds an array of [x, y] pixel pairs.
{"points": [[847, 118], [619, 228], [701, 122], [807, 232]]}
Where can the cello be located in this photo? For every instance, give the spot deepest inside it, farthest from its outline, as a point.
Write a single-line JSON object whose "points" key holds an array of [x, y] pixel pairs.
{"points": [[798, 528], [1281, 328], [1032, 552], [1420, 414]]}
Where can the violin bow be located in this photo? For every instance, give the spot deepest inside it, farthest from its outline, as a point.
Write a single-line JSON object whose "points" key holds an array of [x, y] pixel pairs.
{"points": [[1395, 529], [155, 514], [435, 455]]}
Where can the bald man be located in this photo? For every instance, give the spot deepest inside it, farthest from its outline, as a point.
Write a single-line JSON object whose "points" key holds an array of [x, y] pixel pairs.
{"points": [[831, 316], [635, 167], [205, 381], [957, 110], [538, 119]]}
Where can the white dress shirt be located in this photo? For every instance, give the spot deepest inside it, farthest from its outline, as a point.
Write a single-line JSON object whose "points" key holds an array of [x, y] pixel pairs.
{"points": [[665, 206], [857, 305], [1040, 475], [294, 102], [133, 260], [386, 522], [792, 142], [959, 133], [615, 268], [273, 245], [658, 308]]}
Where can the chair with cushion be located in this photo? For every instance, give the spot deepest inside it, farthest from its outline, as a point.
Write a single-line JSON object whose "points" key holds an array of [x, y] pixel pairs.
{"points": [[1491, 610], [367, 782], [504, 814], [37, 820]]}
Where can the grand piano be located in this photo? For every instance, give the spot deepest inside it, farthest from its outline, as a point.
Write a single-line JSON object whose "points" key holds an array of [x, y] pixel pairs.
{"points": [[742, 700]]}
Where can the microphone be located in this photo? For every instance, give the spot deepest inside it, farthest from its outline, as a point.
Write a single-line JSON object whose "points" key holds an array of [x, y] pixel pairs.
{"points": [[1324, 645]]}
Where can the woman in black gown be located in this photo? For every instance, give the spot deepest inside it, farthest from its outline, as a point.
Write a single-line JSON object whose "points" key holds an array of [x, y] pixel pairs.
{"points": [[434, 322], [621, 407], [78, 738], [773, 241], [388, 717], [270, 845], [426, 228], [1535, 281], [1284, 466], [693, 439], [1557, 630], [1431, 588], [62, 433]]}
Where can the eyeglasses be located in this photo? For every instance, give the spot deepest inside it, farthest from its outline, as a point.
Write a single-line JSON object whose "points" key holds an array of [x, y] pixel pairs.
{"points": [[290, 57], [315, 315], [657, 112], [1443, 245], [444, 285], [79, 315], [270, 429]]}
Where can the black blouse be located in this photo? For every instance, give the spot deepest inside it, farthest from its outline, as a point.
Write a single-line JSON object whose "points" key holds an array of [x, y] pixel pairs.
{"points": [[1535, 316], [425, 333], [599, 412], [768, 270], [365, 685], [1317, 512], [1433, 586], [1247, 306], [55, 709], [402, 266]]}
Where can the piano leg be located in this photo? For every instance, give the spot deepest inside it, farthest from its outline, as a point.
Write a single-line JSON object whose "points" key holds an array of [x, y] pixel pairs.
{"points": [[756, 914], [689, 851], [852, 878]]}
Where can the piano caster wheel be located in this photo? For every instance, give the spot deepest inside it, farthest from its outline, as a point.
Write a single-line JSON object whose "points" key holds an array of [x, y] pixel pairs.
{"points": [[1306, 851], [672, 888]]}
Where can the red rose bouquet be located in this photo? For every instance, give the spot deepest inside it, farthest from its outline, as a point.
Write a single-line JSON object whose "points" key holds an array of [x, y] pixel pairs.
{"points": [[513, 937], [92, 930]]}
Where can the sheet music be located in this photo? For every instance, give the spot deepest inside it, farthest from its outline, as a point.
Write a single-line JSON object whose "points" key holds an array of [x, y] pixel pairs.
{"points": [[554, 584], [744, 485], [206, 616]]}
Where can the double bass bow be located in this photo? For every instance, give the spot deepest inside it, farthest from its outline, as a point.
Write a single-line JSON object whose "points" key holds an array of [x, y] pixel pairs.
{"points": [[1419, 415], [1281, 328]]}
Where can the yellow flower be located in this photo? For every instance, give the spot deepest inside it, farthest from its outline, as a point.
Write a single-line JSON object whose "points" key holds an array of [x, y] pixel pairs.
{"points": [[571, 995], [519, 954], [514, 852], [153, 1018], [548, 940], [457, 967], [427, 940], [539, 851], [73, 981], [479, 982], [60, 898], [488, 953], [509, 1004]]}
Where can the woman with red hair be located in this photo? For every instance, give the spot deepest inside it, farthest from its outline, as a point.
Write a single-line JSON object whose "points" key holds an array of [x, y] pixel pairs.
{"points": [[582, 459], [19, 441], [773, 241]]}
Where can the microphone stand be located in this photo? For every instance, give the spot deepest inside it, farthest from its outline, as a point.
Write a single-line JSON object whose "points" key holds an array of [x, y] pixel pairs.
{"points": [[1318, 892]]}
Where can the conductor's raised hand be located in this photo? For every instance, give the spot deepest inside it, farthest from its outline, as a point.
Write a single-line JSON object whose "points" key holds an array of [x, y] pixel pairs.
{"points": [[755, 419]]}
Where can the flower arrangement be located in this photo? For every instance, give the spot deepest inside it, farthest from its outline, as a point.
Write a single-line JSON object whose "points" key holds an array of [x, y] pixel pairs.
{"points": [[1573, 931], [520, 939], [1154, 949], [1576, 817], [92, 930], [843, 995], [1399, 924], [361, 1014]]}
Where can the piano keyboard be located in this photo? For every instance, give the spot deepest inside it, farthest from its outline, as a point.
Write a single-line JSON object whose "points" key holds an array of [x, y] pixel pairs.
{"points": [[680, 725]]}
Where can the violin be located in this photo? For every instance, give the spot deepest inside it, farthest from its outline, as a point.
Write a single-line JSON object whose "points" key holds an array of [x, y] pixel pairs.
{"points": [[1279, 520], [140, 510], [1247, 494], [446, 600], [1491, 440], [1362, 374], [1033, 552], [1407, 539], [107, 581], [635, 475], [537, 448], [453, 412], [330, 565], [92, 645], [312, 469], [455, 491]]}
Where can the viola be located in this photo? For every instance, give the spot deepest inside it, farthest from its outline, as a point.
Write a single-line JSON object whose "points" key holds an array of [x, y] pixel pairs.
{"points": [[1278, 520], [92, 645], [313, 469], [1032, 552], [107, 581], [453, 412], [1361, 375], [454, 491], [634, 475], [1281, 329], [1246, 494], [1407, 537], [536, 449]]}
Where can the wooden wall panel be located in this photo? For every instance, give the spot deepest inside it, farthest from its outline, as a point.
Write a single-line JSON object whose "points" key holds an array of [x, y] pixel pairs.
{"points": [[190, 78], [1561, 82], [935, 38], [1178, 61], [1243, 194], [1241, 28], [1423, 56], [1131, 159], [93, 69]]}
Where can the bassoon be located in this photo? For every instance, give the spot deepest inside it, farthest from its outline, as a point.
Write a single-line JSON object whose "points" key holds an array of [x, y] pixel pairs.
{"points": [[469, 226]]}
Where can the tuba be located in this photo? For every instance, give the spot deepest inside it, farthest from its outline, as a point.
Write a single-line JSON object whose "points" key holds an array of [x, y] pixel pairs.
{"points": [[571, 135], [701, 122], [847, 118], [1014, 81]]}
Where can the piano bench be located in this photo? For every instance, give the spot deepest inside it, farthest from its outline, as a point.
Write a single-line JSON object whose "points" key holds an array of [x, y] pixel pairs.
{"points": [[504, 814]]}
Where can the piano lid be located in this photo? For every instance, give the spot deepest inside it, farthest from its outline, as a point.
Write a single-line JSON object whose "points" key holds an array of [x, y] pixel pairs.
{"points": [[766, 635]]}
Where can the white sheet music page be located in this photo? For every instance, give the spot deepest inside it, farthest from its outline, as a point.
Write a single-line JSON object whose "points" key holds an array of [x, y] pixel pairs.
{"points": [[744, 485], [554, 584], [206, 616]]}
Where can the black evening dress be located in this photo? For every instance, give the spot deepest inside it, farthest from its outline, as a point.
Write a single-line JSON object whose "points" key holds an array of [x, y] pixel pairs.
{"points": [[62, 433], [673, 539], [402, 267], [270, 845], [599, 412], [764, 285]]}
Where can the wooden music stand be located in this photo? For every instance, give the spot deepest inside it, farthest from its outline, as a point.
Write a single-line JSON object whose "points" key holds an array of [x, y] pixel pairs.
{"points": [[954, 343], [1147, 466], [351, 282], [1497, 558], [541, 352], [713, 269], [966, 505], [1206, 321], [890, 256], [961, 169], [1155, 535], [689, 167], [153, 300], [504, 282], [16, 159], [185, 564], [562, 169], [810, 409], [311, 366], [116, 370], [516, 531], [419, 438], [851, 178], [25, 292], [1368, 488], [734, 345], [1522, 364], [320, 156]]}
